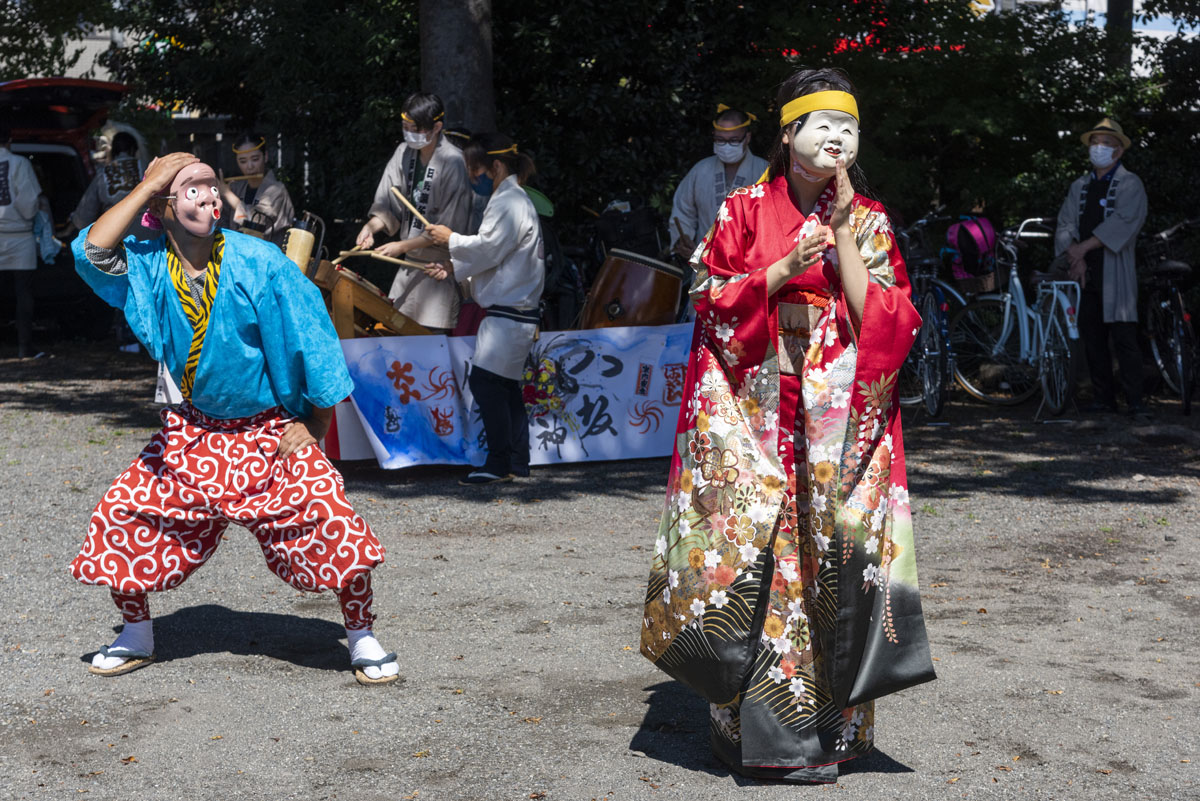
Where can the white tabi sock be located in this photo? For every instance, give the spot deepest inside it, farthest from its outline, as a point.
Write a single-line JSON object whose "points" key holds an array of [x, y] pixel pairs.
{"points": [[134, 637], [363, 645]]}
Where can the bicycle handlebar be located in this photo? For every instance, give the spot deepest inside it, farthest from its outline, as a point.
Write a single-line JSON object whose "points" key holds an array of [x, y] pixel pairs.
{"points": [[1174, 230], [1020, 232]]}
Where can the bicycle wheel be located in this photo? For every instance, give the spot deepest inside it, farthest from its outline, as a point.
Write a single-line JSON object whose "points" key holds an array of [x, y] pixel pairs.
{"points": [[1057, 368], [1185, 352], [934, 365], [1161, 327], [987, 354], [908, 383]]}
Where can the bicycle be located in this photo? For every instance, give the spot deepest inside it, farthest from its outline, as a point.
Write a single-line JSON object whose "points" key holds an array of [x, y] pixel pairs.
{"points": [[1172, 339], [1004, 347], [926, 373]]}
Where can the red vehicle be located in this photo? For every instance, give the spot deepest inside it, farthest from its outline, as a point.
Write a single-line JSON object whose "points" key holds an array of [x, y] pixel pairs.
{"points": [[53, 121]]}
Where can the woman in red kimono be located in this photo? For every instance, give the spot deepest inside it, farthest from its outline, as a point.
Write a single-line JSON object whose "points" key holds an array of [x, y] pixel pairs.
{"points": [[784, 587]]}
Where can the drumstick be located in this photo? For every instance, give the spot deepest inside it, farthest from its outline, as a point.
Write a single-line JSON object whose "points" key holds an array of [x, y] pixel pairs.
{"points": [[411, 207], [243, 177], [372, 254], [679, 228], [345, 254], [412, 265]]}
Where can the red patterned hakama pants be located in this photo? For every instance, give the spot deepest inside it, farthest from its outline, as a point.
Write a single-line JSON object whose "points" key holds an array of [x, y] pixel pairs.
{"points": [[164, 516]]}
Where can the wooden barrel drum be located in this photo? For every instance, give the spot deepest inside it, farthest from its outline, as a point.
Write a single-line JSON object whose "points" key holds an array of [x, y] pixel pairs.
{"points": [[632, 289]]}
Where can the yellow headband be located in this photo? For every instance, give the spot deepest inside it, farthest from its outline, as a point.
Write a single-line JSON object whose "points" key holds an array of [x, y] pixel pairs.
{"points": [[510, 149], [818, 101], [722, 108], [262, 142], [404, 116]]}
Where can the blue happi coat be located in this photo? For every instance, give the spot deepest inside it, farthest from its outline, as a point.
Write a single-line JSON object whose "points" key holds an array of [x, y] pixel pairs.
{"points": [[269, 340]]}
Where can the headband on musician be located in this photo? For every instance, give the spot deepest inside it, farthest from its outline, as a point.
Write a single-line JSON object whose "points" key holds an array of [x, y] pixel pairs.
{"points": [[262, 142], [510, 149], [722, 108], [404, 116], [818, 101]]}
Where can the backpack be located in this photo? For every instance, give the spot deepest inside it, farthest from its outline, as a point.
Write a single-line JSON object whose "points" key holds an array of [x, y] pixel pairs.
{"points": [[972, 247]]}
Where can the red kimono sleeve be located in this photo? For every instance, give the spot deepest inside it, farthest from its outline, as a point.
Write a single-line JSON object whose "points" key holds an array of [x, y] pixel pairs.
{"points": [[734, 311]]}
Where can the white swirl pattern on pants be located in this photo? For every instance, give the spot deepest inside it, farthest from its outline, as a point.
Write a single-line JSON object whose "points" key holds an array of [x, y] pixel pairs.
{"points": [[164, 516]]}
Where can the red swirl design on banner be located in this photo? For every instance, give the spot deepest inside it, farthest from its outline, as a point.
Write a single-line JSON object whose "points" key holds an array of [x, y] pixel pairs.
{"points": [[164, 516]]}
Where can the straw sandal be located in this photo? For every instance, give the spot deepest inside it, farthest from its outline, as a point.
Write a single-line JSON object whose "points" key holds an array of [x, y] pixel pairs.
{"points": [[364, 679], [133, 661]]}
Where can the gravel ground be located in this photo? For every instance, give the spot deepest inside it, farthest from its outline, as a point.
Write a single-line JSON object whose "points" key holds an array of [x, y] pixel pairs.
{"points": [[1058, 563]]}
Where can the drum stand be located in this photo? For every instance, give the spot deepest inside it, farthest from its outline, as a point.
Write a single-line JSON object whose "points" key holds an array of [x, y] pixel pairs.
{"points": [[356, 306]]}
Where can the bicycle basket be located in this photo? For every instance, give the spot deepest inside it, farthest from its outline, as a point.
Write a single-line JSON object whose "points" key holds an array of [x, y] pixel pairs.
{"points": [[976, 285]]}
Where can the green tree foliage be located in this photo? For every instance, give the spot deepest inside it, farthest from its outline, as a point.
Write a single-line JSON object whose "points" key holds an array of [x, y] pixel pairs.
{"points": [[329, 77], [958, 110], [616, 97], [40, 38]]}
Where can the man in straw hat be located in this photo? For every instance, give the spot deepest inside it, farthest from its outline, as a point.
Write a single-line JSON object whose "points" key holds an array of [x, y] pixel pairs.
{"points": [[703, 189], [1097, 229]]}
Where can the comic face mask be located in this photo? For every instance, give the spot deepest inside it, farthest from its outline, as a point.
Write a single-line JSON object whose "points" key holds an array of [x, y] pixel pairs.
{"points": [[197, 200], [824, 137]]}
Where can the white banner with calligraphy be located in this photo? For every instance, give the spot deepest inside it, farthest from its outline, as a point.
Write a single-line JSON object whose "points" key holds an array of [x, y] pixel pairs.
{"points": [[609, 393]]}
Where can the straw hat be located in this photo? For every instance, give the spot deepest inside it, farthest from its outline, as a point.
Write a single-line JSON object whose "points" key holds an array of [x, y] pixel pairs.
{"points": [[1106, 126]]}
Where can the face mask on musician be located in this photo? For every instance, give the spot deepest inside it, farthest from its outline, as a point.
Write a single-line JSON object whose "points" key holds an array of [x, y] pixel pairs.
{"points": [[729, 152], [197, 201], [482, 184], [416, 139], [1101, 155], [824, 137]]}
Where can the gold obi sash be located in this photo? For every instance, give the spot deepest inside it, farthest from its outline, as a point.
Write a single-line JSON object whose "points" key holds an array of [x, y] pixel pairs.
{"points": [[797, 319]]}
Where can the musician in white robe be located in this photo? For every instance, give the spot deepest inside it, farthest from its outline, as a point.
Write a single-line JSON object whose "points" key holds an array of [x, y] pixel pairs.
{"points": [[704, 188], [503, 265], [19, 191], [259, 203], [430, 172], [114, 180]]}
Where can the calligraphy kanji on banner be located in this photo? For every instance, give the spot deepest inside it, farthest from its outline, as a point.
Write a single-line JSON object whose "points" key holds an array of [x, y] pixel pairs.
{"points": [[609, 393]]}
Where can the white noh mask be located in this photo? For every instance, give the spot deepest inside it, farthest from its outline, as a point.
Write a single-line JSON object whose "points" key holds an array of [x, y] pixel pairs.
{"points": [[825, 137]]}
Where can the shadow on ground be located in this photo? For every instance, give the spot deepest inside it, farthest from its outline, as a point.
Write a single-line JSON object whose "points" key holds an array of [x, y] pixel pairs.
{"points": [[83, 378], [1006, 451], [632, 479], [979, 448], [213, 629], [675, 730]]}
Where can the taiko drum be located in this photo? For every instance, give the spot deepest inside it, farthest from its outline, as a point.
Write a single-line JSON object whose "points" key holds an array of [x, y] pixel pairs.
{"points": [[632, 289]]}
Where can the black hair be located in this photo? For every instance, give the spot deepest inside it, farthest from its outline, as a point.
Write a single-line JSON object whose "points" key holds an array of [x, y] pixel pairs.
{"points": [[485, 148], [249, 139], [123, 142], [732, 117], [806, 82], [424, 109], [458, 136]]}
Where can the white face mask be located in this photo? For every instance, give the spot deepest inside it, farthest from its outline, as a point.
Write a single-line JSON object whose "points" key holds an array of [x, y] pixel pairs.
{"points": [[825, 137], [415, 139], [729, 152], [1101, 155]]}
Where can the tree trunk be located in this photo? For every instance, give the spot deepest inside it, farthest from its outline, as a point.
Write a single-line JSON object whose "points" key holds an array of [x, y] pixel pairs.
{"points": [[456, 60], [1118, 25]]}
